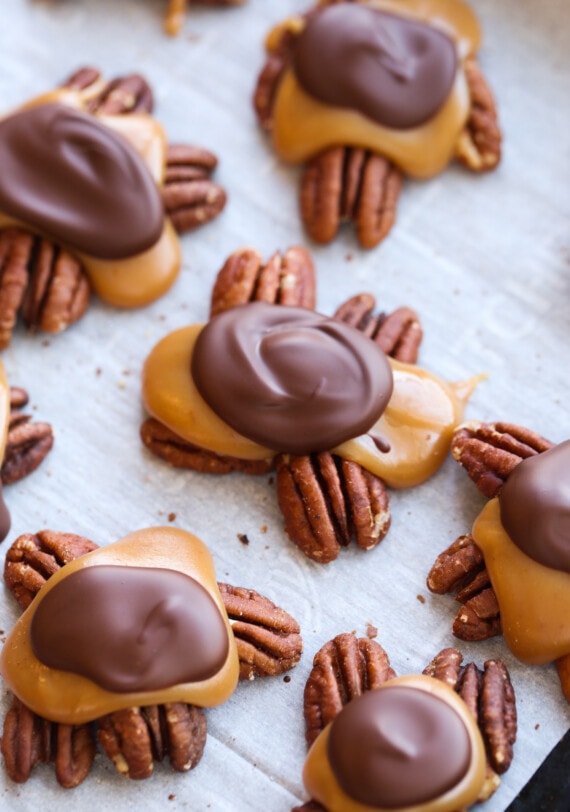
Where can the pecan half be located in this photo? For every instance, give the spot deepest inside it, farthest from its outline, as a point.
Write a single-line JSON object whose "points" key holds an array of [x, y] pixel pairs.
{"points": [[33, 558], [345, 183], [123, 95], [478, 146], [28, 740], [278, 59], [490, 451], [27, 445], [268, 639], [399, 334], [326, 501], [190, 196], [42, 281], [490, 697], [164, 443], [460, 569], [285, 279], [343, 669], [135, 738]]}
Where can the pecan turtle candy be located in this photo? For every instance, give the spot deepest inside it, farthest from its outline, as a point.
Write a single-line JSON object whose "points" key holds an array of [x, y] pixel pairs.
{"points": [[51, 257], [331, 403], [140, 707], [511, 573], [337, 95], [24, 443], [354, 762]]}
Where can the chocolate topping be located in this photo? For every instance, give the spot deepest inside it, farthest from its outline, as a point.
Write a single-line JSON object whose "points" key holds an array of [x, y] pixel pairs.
{"points": [[394, 70], [535, 507], [397, 747], [290, 379], [77, 181], [130, 628]]}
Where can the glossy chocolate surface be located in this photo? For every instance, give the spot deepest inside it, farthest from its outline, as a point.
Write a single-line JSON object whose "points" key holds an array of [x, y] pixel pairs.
{"points": [[75, 180], [290, 379], [398, 747], [535, 507], [394, 70], [130, 628]]}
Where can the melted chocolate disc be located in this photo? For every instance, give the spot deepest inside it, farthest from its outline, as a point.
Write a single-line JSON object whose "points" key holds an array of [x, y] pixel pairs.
{"points": [[535, 507], [291, 379], [77, 181], [394, 70], [130, 628], [397, 747]]}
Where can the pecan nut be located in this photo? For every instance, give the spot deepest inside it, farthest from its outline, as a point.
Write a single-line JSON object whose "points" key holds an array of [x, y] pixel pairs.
{"points": [[346, 183], [123, 95], [268, 639], [563, 668], [277, 62], [489, 695], [399, 334], [40, 280], [190, 196], [490, 451], [32, 559], [460, 569], [169, 446], [27, 443], [343, 669], [285, 279], [28, 740], [326, 501], [478, 146], [135, 738]]}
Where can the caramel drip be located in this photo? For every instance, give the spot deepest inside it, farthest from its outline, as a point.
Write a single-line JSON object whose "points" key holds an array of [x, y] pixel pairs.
{"points": [[417, 424], [534, 599], [323, 786], [303, 126], [71, 699], [138, 280]]}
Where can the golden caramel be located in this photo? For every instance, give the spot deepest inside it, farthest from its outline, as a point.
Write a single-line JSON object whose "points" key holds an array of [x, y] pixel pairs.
{"points": [[322, 785], [72, 699], [304, 126], [534, 600], [138, 280], [417, 423]]}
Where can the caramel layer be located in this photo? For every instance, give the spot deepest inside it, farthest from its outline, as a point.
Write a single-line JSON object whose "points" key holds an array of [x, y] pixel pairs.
{"points": [[534, 599], [417, 423], [323, 786], [303, 126], [137, 280], [71, 699]]}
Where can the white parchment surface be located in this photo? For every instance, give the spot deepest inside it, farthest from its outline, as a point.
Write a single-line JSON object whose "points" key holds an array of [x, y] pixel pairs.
{"points": [[483, 259]]}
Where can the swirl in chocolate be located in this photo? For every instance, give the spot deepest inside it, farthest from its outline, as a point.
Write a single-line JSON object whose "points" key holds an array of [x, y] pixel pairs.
{"points": [[398, 747], [130, 628], [535, 507], [290, 379], [74, 179], [394, 70]]}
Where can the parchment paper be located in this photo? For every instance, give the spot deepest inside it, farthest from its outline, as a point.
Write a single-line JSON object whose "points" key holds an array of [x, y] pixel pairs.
{"points": [[484, 260]]}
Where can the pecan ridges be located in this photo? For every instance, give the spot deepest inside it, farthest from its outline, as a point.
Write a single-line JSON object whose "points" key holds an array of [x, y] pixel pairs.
{"points": [[399, 334], [460, 569], [27, 443], [278, 59], [343, 669], [286, 278], [489, 695], [135, 738], [478, 146], [123, 95], [490, 451], [349, 184], [326, 501], [27, 740], [268, 639], [190, 196], [169, 446]]}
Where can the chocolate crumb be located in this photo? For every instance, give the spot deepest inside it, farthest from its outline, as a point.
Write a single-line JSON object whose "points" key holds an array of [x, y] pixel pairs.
{"points": [[286, 678], [243, 538], [171, 517]]}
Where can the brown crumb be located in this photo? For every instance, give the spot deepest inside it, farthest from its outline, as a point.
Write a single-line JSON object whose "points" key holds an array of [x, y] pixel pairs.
{"points": [[98, 371], [537, 725], [286, 678], [171, 517], [171, 797], [421, 598], [371, 631], [243, 538], [263, 528], [349, 257]]}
